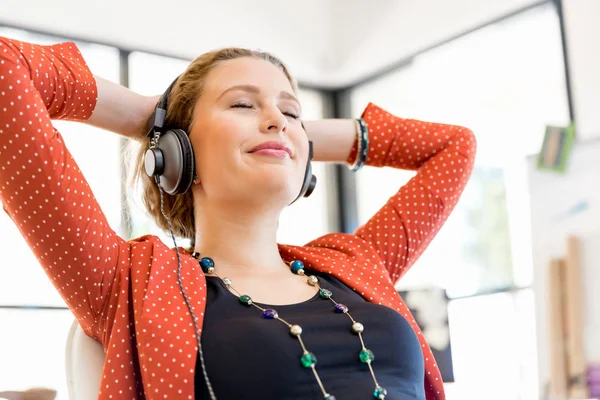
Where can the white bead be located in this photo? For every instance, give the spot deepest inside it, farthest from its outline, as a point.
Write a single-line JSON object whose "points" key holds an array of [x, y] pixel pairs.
{"points": [[227, 281], [358, 327], [296, 330], [312, 280]]}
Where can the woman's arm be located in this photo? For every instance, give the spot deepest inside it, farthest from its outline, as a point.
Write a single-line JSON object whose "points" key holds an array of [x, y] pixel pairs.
{"points": [[443, 156], [120, 110], [332, 138], [41, 187]]}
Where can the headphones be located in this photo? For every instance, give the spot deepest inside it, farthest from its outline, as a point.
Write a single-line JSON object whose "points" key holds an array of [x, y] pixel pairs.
{"points": [[170, 158]]}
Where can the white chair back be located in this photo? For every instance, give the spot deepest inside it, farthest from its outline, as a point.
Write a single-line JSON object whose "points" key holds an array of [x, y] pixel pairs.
{"points": [[84, 361]]}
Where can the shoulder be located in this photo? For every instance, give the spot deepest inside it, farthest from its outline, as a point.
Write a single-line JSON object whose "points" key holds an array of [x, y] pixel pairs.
{"points": [[148, 254], [153, 246], [341, 243], [333, 247]]}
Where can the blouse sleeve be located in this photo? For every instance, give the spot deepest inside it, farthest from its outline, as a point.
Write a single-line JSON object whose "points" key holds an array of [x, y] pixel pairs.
{"points": [[41, 187], [442, 156]]}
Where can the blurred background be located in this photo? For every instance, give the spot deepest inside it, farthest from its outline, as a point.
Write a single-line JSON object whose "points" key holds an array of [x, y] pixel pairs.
{"points": [[505, 69]]}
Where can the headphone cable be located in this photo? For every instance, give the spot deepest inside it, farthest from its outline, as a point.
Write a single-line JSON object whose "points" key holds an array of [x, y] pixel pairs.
{"points": [[187, 302]]}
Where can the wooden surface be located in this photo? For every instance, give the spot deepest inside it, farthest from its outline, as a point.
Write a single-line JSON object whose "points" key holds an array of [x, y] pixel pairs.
{"points": [[557, 321], [576, 362]]}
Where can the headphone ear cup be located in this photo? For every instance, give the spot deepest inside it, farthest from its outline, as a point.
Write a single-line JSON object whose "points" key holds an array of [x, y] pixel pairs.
{"points": [[154, 162], [178, 161], [310, 181], [310, 186]]}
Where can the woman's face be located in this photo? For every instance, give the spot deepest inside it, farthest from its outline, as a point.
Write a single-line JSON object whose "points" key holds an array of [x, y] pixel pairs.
{"points": [[245, 103]]}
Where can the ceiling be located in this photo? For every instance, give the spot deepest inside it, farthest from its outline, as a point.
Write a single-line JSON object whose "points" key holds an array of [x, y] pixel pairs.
{"points": [[326, 43]]}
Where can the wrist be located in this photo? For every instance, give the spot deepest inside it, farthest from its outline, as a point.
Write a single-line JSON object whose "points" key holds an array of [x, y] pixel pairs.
{"points": [[332, 138], [360, 149], [143, 113], [121, 110]]}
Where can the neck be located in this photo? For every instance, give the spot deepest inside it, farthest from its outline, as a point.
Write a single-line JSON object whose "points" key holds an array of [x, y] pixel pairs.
{"points": [[240, 241]]}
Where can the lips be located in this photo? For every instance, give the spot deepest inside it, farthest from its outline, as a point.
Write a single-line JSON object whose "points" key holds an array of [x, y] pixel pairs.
{"points": [[272, 147]]}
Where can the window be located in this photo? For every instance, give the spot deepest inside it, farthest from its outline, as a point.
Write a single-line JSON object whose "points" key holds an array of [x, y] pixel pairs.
{"points": [[494, 347], [492, 82], [32, 341], [505, 82], [32, 345], [23, 281]]}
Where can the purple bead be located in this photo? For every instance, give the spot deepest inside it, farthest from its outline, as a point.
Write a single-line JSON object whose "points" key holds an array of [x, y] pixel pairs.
{"points": [[270, 314], [340, 308]]}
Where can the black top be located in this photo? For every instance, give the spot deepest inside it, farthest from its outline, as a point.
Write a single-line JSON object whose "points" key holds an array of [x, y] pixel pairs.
{"points": [[250, 357]]}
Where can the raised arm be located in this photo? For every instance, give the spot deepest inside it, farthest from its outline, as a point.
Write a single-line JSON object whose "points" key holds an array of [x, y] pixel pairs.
{"points": [[41, 186], [443, 156]]}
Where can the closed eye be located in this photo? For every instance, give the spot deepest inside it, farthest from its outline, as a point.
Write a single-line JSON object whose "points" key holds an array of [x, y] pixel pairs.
{"points": [[250, 106], [241, 105], [291, 115]]}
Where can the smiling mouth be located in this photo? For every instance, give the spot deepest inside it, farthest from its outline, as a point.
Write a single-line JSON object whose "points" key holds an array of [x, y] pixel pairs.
{"points": [[272, 149], [272, 153]]}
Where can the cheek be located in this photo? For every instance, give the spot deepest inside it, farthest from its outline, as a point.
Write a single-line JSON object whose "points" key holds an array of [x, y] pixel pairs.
{"points": [[214, 151], [302, 146], [302, 159], [211, 155]]}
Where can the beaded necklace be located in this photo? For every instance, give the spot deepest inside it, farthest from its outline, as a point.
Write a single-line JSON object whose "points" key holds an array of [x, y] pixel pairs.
{"points": [[308, 359]]}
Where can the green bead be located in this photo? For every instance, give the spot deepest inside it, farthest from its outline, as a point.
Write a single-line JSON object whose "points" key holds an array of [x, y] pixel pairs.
{"points": [[245, 299], [308, 359], [366, 356], [325, 294]]}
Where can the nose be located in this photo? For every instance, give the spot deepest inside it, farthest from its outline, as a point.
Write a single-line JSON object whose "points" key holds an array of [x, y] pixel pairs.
{"points": [[274, 122]]}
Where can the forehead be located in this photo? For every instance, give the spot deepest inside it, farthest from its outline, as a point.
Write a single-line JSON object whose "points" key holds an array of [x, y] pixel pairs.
{"points": [[267, 77]]}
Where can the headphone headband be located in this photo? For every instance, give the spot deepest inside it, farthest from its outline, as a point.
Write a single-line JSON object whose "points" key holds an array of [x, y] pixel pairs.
{"points": [[157, 119]]}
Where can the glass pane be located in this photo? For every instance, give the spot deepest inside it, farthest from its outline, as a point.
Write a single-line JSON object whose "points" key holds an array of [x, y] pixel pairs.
{"points": [[101, 168], [493, 347], [301, 222], [491, 82], [150, 74], [32, 349]]}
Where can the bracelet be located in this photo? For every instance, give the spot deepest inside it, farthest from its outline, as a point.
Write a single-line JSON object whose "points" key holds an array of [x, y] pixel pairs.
{"points": [[362, 133]]}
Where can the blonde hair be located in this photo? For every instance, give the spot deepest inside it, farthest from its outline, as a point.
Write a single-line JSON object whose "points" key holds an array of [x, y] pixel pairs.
{"points": [[180, 108]]}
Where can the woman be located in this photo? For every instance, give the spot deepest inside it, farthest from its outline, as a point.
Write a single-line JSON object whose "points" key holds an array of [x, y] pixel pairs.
{"points": [[281, 341]]}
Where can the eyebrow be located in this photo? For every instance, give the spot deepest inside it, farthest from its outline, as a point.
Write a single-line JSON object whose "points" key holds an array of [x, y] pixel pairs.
{"points": [[256, 90]]}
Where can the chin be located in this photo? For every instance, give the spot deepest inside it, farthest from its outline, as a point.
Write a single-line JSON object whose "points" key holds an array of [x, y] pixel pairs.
{"points": [[277, 185]]}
